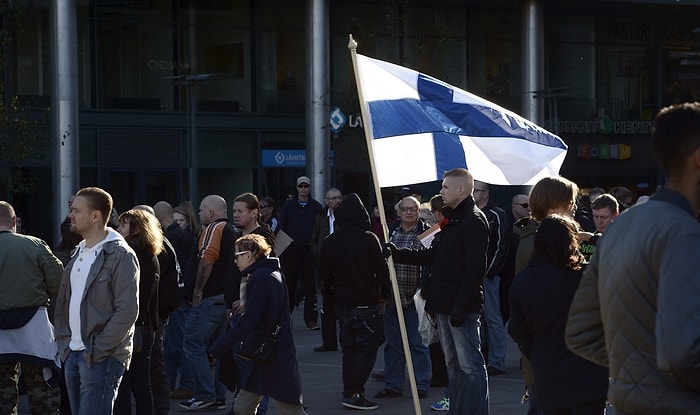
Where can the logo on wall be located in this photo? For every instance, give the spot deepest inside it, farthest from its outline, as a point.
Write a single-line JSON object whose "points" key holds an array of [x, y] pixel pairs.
{"points": [[604, 151], [338, 120]]}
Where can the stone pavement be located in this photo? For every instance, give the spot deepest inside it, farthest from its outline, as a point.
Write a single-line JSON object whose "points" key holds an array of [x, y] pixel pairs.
{"points": [[322, 383]]}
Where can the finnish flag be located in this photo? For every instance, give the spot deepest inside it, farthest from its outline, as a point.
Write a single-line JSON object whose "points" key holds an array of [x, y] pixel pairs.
{"points": [[421, 127]]}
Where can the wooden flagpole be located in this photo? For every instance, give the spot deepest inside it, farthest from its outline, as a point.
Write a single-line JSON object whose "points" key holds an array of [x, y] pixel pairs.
{"points": [[366, 122]]}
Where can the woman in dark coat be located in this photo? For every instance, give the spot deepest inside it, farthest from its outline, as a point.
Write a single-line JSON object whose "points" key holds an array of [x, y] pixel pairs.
{"points": [[539, 300], [144, 235], [266, 305]]}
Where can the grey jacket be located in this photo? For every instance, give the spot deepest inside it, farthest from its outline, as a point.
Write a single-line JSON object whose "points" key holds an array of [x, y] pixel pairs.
{"points": [[637, 308], [109, 307]]}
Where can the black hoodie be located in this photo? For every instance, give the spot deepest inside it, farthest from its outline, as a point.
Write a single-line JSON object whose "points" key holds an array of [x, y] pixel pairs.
{"points": [[350, 262]]}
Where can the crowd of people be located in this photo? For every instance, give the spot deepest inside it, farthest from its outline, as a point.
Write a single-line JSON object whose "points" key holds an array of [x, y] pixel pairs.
{"points": [[149, 305]]}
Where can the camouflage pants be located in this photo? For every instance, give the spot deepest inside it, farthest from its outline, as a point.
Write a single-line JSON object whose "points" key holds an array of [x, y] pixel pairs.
{"points": [[42, 398]]}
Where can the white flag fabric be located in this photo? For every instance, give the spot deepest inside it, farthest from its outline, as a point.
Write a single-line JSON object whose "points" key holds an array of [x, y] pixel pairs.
{"points": [[421, 127]]}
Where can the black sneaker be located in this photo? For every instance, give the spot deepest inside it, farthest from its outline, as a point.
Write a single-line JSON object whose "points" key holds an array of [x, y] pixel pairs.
{"points": [[358, 401], [194, 405]]}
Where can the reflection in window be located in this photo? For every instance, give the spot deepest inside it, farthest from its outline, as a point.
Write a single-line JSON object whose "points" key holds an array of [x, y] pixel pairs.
{"points": [[627, 77]]}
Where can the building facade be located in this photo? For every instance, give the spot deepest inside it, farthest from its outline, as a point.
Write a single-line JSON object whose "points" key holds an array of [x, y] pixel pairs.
{"points": [[606, 68]]}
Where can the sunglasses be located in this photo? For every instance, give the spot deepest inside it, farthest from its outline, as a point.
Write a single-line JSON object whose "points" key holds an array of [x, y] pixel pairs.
{"points": [[524, 205], [237, 254], [303, 185]]}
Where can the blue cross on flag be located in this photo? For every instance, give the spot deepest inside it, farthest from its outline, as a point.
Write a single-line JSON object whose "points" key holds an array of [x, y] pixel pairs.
{"points": [[421, 127]]}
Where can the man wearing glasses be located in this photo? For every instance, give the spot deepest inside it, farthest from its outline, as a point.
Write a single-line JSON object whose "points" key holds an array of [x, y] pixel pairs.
{"points": [[297, 220]]}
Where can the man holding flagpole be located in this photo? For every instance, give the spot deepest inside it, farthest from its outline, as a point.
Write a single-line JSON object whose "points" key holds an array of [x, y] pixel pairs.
{"points": [[454, 291]]}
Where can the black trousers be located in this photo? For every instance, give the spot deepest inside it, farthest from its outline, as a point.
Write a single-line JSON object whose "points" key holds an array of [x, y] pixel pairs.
{"points": [[298, 267]]}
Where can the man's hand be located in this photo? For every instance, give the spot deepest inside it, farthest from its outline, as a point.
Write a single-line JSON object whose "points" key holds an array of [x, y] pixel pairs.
{"points": [[456, 320], [388, 249], [238, 308], [197, 298]]}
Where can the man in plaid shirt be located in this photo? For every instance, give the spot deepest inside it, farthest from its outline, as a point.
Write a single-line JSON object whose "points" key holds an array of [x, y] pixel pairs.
{"points": [[405, 235]]}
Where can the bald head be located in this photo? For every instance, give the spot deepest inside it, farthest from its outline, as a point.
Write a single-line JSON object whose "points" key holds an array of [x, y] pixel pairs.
{"points": [[213, 207], [7, 217], [164, 213]]}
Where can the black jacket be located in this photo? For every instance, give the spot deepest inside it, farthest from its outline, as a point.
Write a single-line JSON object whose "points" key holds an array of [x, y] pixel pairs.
{"points": [[539, 303], [458, 256], [350, 260]]}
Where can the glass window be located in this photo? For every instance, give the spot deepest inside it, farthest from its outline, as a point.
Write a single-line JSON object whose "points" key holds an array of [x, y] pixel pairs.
{"points": [[281, 56], [215, 39], [134, 56], [628, 76], [570, 84], [495, 58]]}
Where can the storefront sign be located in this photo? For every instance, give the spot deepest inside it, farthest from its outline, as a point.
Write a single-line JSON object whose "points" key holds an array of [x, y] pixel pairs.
{"points": [[284, 158], [287, 158], [593, 127], [604, 151]]}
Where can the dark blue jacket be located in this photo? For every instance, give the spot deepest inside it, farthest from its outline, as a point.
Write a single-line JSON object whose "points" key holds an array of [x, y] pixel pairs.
{"points": [[267, 301]]}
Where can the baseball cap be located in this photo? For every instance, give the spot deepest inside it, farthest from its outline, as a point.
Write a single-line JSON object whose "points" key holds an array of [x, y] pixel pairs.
{"points": [[303, 179]]}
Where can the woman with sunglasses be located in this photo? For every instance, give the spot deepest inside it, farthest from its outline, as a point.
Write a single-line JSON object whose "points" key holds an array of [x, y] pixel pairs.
{"points": [[266, 305]]}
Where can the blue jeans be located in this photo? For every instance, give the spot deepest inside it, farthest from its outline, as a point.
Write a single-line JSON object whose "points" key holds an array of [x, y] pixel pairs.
{"points": [[172, 347], [204, 325], [466, 371], [394, 358], [361, 334], [92, 390], [496, 330]]}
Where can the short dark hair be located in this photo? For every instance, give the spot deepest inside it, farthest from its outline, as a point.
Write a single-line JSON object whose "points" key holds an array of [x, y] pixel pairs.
{"points": [[98, 199], [436, 203], [606, 200], [676, 135]]}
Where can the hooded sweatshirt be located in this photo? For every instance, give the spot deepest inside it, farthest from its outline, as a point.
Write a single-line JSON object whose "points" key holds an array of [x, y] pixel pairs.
{"points": [[350, 262]]}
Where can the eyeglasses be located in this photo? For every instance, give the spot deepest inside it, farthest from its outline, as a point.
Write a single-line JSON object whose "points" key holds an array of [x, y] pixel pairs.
{"points": [[303, 185], [524, 205], [408, 209], [264, 206], [237, 254]]}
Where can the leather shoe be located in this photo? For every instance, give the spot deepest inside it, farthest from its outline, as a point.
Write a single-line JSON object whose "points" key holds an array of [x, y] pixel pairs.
{"points": [[324, 348], [388, 393]]}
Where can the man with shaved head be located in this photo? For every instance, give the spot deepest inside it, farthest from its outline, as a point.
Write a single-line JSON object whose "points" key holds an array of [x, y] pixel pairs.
{"points": [[206, 320]]}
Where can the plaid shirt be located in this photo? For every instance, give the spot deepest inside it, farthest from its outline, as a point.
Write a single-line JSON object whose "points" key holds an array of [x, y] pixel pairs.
{"points": [[407, 276]]}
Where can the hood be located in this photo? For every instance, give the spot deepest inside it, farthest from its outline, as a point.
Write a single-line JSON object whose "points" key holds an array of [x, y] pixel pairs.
{"points": [[351, 212], [111, 236], [270, 263]]}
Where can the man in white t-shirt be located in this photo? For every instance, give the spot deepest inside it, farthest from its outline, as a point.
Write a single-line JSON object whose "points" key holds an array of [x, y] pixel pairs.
{"points": [[96, 306]]}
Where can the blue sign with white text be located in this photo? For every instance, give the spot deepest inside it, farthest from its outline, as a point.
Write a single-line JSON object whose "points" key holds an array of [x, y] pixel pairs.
{"points": [[284, 158]]}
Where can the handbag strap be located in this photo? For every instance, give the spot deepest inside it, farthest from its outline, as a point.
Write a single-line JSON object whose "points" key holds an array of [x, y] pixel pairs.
{"points": [[285, 306]]}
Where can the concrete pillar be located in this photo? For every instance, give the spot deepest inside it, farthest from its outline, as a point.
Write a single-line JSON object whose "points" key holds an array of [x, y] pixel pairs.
{"points": [[64, 106]]}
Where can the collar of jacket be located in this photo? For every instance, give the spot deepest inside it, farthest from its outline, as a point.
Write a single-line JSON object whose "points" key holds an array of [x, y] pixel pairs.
{"points": [[456, 214], [667, 195]]}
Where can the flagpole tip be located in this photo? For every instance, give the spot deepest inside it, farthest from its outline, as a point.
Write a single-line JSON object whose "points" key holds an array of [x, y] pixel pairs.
{"points": [[352, 45]]}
